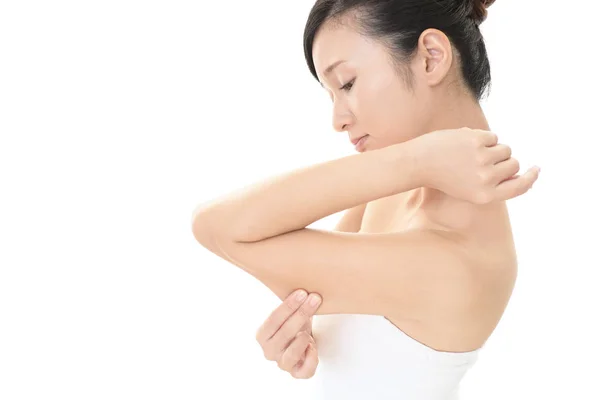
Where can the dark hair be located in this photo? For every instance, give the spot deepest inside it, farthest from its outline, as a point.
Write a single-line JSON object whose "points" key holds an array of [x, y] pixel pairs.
{"points": [[399, 23]]}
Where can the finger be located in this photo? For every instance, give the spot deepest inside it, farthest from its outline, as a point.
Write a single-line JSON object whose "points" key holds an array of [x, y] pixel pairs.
{"points": [[512, 177], [489, 138], [499, 153], [295, 352], [504, 170], [288, 307], [308, 326], [513, 187], [307, 368], [294, 324]]}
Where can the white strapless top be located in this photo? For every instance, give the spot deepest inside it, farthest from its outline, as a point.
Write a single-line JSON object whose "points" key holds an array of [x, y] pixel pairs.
{"points": [[367, 357]]}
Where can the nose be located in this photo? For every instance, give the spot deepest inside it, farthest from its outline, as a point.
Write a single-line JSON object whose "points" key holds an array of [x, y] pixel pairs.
{"points": [[342, 117]]}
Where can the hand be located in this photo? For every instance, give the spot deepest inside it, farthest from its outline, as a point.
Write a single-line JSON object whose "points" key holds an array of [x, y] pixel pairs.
{"points": [[469, 164], [286, 336]]}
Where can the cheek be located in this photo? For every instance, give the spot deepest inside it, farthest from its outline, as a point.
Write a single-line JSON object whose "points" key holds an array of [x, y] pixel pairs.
{"points": [[393, 117], [381, 110], [373, 108]]}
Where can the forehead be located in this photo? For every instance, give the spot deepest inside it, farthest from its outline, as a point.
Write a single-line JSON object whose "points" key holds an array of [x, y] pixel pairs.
{"points": [[338, 41]]}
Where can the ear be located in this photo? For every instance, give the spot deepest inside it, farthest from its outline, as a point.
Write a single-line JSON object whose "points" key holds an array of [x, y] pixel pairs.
{"points": [[435, 56]]}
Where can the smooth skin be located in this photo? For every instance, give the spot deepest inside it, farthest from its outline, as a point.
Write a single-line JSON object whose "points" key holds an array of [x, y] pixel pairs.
{"points": [[484, 164], [286, 335], [436, 259]]}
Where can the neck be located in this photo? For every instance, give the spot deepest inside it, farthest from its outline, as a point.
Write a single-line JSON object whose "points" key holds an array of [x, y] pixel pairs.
{"points": [[458, 112]]}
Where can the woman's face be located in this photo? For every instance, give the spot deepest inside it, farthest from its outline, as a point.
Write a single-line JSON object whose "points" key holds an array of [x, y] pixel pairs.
{"points": [[369, 97]]}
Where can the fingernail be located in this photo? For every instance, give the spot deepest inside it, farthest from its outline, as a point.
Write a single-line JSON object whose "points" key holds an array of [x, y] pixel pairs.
{"points": [[300, 295], [314, 299]]}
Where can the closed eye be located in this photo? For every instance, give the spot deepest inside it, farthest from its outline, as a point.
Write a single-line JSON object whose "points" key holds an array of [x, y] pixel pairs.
{"points": [[348, 85]]}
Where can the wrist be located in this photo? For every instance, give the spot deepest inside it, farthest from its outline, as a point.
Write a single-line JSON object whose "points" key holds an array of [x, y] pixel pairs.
{"points": [[409, 161]]}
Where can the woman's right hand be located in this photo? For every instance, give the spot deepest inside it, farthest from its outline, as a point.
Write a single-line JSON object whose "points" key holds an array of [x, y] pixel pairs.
{"points": [[286, 336], [469, 164]]}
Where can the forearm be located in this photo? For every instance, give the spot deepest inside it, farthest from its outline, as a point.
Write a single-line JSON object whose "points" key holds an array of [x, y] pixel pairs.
{"points": [[297, 199]]}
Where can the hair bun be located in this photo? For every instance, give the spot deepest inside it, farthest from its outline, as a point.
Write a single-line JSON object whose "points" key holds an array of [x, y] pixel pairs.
{"points": [[479, 13]]}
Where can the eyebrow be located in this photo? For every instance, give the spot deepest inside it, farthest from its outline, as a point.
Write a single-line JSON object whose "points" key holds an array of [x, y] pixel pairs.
{"points": [[329, 69]]}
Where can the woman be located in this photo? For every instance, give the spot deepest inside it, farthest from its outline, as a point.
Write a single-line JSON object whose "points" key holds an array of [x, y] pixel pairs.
{"points": [[422, 265]]}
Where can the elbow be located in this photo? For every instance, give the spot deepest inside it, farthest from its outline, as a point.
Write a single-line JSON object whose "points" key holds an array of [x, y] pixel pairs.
{"points": [[202, 221], [203, 226], [207, 223], [213, 220], [211, 239], [200, 228], [205, 234]]}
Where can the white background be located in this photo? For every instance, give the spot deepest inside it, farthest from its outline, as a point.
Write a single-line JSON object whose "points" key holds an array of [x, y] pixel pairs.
{"points": [[118, 117]]}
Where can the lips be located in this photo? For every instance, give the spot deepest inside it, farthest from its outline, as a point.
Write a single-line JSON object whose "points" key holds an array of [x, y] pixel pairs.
{"points": [[354, 141], [360, 145]]}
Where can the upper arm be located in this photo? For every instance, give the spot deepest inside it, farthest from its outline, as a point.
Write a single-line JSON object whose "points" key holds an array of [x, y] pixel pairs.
{"points": [[392, 274], [350, 221]]}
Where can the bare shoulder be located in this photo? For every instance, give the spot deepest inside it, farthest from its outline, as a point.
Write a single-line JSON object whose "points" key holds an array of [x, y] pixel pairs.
{"points": [[465, 309], [487, 251]]}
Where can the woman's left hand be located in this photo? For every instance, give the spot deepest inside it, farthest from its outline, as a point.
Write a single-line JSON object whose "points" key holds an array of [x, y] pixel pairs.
{"points": [[469, 164]]}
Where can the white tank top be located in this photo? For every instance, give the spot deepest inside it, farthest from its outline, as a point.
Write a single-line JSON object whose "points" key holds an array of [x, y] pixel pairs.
{"points": [[368, 357]]}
